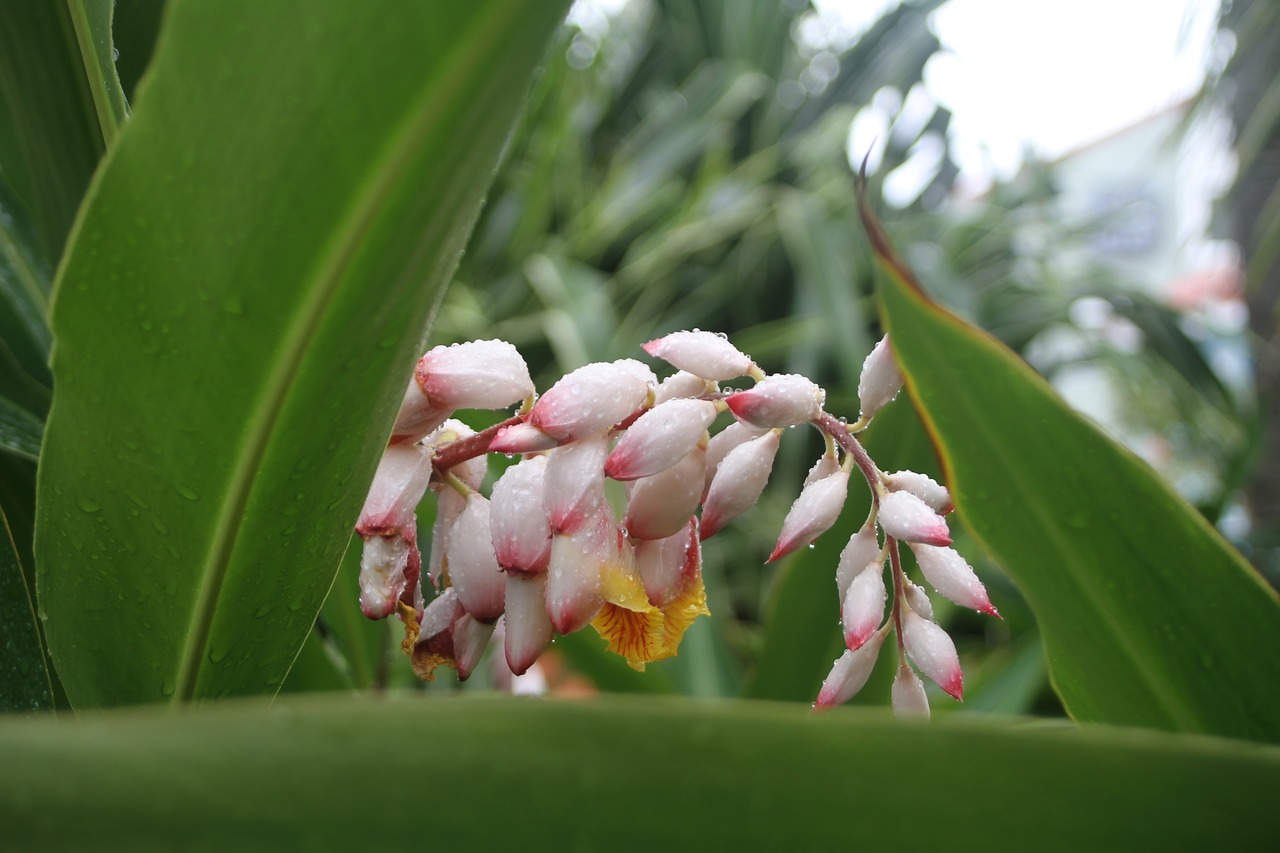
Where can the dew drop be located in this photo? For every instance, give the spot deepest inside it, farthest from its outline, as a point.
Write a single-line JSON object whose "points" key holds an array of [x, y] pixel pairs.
{"points": [[166, 687], [88, 505], [186, 492]]}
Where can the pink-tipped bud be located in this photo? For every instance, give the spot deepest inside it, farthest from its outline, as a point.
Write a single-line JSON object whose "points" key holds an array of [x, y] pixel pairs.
{"points": [[908, 696], [780, 400], [521, 438], [739, 481], [660, 438], [812, 514], [661, 505], [850, 673], [518, 518], [388, 566], [683, 384], [449, 506], [574, 483], [592, 399], [473, 567], [881, 380], [417, 416], [574, 586], [933, 493], [904, 516], [668, 566], [474, 375], [528, 630], [918, 600], [826, 465], [400, 482], [722, 442], [931, 649], [705, 354], [470, 636], [862, 550], [863, 605], [952, 576]]}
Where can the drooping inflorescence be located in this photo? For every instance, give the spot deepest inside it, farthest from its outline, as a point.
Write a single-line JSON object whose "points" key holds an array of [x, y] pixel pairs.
{"points": [[545, 552]]}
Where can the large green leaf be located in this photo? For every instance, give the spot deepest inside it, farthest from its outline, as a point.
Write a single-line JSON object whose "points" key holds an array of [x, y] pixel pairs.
{"points": [[237, 317], [488, 774], [1148, 616]]}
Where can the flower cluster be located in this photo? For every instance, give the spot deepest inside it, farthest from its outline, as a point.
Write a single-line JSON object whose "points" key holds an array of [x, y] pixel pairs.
{"points": [[546, 553]]}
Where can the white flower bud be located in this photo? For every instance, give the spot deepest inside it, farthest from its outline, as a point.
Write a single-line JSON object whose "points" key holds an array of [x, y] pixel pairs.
{"points": [[908, 696], [739, 481], [931, 649], [574, 586], [660, 438], [474, 375], [952, 576], [470, 636], [722, 442], [826, 465], [473, 567], [528, 628], [881, 380], [850, 673], [812, 514], [398, 485], [904, 516], [668, 566], [592, 399], [780, 400], [574, 483], [863, 605], [705, 354], [518, 517], [683, 384], [918, 600], [933, 493], [661, 505], [862, 550]]}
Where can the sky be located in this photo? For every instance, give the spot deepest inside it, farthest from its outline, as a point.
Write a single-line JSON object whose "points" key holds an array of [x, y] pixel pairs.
{"points": [[1052, 75]]}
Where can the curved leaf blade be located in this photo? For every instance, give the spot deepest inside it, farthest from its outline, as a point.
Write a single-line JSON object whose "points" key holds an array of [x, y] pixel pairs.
{"points": [[91, 20], [639, 774], [305, 174], [24, 673], [1149, 617]]}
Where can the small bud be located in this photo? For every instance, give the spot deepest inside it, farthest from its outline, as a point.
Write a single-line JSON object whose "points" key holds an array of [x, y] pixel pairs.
{"points": [[780, 400], [660, 438], [449, 506], [518, 518], [574, 588], [470, 636], [904, 516], [661, 505], [521, 438], [528, 628], [862, 550], [398, 485], [592, 399], [919, 601], [863, 605], [908, 696], [933, 493], [722, 442], [574, 483], [850, 673], [826, 465], [812, 514], [931, 649], [739, 481], [683, 384], [668, 566], [417, 416], [474, 375], [705, 354], [473, 567], [881, 380], [949, 573]]}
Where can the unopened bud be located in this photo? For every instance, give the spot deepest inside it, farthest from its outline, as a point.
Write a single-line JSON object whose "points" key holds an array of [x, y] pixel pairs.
{"points": [[881, 380], [812, 514], [705, 354], [592, 399], [574, 483], [518, 518], [918, 600], [660, 438], [862, 550], [474, 375], [850, 673], [739, 481], [398, 485], [863, 605], [780, 400], [473, 567], [826, 465], [683, 384], [661, 505], [952, 576], [904, 516], [668, 566], [908, 696], [931, 649], [521, 438], [528, 628], [722, 442], [574, 587], [933, 493], [470, 636]]}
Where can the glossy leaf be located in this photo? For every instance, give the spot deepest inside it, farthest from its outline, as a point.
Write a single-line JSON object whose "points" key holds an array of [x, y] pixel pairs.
{"points": [[1149, 617], [91, 20], [24, 671], [634, 774], [239, 310]]}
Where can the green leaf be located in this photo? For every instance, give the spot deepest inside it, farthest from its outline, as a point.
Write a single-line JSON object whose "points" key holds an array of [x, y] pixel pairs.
{"points": [[24, 293], [91, 20], [237, 318], [19, 430], [633, 774], [1149, 617], [24, 671]]}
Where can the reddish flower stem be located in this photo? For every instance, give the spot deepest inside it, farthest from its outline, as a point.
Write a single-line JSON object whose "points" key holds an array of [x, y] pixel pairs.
{"points": [[899, 592], [457, 452]]}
